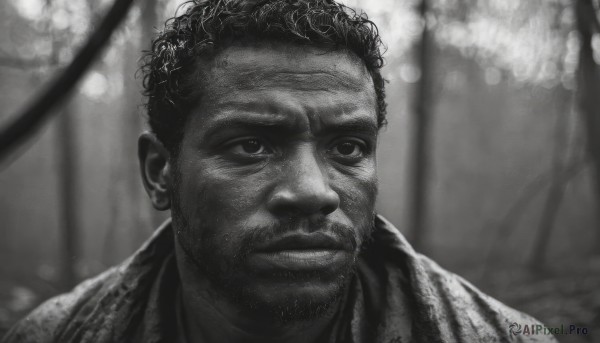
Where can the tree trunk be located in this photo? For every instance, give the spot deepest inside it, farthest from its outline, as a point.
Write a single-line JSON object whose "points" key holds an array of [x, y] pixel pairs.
{"points": [[589, 88], [560, 164], [420, 145], [69, 181]]}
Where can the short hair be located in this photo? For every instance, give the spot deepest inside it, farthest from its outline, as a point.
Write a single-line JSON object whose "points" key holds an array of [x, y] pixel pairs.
{"points": [[206, 26]]}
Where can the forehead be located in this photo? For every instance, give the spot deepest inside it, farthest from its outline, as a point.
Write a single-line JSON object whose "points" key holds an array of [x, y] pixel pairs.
{"points": [[272, 65], [286, 80]]}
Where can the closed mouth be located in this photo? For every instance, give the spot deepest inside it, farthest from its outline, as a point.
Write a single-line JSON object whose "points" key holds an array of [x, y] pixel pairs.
{"points": [[303, 242]]}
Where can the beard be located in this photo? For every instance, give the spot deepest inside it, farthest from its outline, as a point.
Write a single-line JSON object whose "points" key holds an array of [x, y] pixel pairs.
{"points": [[223, 260]]}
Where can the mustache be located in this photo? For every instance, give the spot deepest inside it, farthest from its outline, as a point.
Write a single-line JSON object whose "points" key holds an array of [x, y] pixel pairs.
{"points": [[260, 236]]}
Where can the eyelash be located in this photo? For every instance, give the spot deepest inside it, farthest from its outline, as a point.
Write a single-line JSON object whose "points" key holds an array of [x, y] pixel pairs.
{"points": [[362, 146], [239, 143]]}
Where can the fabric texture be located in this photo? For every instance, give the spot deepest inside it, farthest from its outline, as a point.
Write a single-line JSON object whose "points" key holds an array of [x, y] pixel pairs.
{"points": [[396, 296]]}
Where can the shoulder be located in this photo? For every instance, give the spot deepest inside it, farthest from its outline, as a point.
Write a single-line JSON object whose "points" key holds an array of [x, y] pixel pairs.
{"points": [[45, 322], [102, 307], [470, 313], [446, 305]]}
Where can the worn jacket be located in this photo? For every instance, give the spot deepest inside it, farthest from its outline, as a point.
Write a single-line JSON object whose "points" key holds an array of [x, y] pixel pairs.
{"points": [[396, 295]]}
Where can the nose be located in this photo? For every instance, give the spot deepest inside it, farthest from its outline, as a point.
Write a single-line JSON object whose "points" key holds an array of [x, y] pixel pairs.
{"points": [[304, 189]]}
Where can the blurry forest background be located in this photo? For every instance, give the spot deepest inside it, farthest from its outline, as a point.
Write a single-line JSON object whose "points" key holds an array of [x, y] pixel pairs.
{"points": [[490, 163]]}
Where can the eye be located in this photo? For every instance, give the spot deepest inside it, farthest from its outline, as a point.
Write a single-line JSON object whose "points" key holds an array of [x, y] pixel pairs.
{"points": [[250, 146], [347, 150]]}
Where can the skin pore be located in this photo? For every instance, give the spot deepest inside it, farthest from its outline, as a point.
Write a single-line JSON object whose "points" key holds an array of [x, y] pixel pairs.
{"points": [[272, 192]]}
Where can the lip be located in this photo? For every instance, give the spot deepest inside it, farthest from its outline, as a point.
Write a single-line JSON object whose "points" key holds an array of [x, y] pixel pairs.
{"points": [[302, 252], [300, 260], [313, 241]]}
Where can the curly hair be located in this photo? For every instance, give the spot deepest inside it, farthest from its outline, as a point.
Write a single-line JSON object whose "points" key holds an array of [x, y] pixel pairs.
{"points": [[210, 25]]}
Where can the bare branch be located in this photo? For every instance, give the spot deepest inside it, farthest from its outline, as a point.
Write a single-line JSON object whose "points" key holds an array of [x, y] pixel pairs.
{"points": [[25, 124]]}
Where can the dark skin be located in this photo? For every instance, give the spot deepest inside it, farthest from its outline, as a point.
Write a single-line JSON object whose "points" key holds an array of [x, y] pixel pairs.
{"points": [[282, 145]]}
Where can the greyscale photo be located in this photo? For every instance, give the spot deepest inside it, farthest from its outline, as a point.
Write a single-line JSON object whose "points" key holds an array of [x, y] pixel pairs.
{"points": [[302, 171]]}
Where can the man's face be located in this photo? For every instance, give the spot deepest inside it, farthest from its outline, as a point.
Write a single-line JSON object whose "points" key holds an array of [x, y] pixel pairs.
{"points": [[276, 176]]}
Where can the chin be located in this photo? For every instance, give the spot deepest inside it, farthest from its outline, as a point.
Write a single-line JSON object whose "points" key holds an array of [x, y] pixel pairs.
{"points": [[292, 300]]}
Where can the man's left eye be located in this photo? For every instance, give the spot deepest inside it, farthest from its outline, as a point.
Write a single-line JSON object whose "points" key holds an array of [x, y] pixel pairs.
{"points": [[347, 149]]}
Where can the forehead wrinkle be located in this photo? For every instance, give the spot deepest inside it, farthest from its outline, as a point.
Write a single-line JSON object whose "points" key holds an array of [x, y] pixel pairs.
{"points": [[258, 111], [253, 119], [265, 113], [288, 101], [275, 108], [328, 81], [295, 118]]}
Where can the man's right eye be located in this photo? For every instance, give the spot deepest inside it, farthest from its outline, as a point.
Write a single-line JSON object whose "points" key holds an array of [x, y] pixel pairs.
{"points": [[249, 147]]}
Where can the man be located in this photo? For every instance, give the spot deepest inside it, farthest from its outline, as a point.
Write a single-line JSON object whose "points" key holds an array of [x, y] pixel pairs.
{"points": [[264, 120]]}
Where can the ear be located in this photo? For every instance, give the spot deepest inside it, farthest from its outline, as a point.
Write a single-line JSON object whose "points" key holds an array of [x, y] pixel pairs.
{"points": [[155, 167]]}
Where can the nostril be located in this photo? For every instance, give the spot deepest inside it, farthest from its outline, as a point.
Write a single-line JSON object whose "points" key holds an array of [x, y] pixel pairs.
{"points": [[327, 209]]}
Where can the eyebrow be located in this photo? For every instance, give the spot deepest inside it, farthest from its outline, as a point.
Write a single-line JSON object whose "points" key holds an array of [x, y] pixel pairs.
{"points": [[353, 125], [251, 121]]}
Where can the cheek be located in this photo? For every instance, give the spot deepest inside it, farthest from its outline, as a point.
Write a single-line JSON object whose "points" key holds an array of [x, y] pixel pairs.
{"points": [[234, 196], [357, 198], [218, 200], [357, 187], [211, 222]]}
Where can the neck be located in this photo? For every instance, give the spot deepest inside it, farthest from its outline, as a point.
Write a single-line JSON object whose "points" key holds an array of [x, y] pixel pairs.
{"points": [[209, 316]]}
